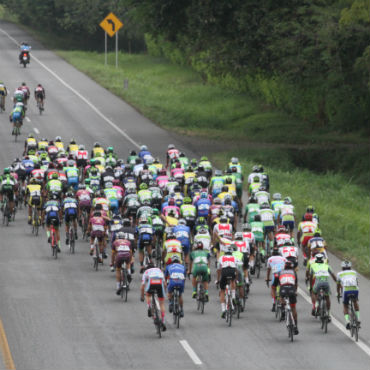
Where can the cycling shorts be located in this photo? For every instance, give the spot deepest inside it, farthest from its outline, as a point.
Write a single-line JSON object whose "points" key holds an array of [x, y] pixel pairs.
{"points": [[144, 240], [70, 215], [225, 273], [52, 218], [348, 293], [321, 284], [288, 291], [275, 280], [268, 229], [122, 257], [176, 283], [98, 234], [289, 225], [35, 201], [202, 270], [153, 287], [9, 192], [185, 245]]}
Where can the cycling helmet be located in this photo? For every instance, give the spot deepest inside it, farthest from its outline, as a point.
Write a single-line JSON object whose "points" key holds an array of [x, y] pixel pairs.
{"points": [[262, 188], [126, 222], [289, 265], [182, 222], [288, 200], [204, 158], [217, 201], [187, 200], [87, 181], [81, 147], [202, 230], [234, 160], [265, 206], [171, 202], [55, 176], [30, 135], [308, 217], [170, 235], [223, 220], [155, 211], [171, 146], [218, 173], [96, 145], [257, 218], [260, 168], [346, 265], [175, 259], [256, 179], [238, 235], [247, 227], [58, 139], [201, 221], [275, 251], [33, 181], [319, 258], [310, 209], [276, 196], [229, 248], [6, 171], [143, 148], [72, 141], [317, 232], [94, 171], [81, 186], [70, 194], [120, 235], [281, 229]]}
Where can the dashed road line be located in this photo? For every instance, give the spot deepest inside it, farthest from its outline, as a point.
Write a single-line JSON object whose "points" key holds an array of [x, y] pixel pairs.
{"points": [[36, 130], [190, 352], [27, 119]]}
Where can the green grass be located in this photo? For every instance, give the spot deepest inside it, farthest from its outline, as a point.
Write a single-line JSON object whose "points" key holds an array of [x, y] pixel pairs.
{"points": [[343, 207]]}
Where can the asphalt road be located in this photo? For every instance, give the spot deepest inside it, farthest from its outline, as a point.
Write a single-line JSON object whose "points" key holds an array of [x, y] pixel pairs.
{"points": [[61, 314]]}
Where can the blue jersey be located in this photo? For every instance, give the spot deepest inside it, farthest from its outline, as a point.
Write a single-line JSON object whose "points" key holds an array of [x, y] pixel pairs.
{"points": [[176, 274], [203, 206], [28, 165], [182, 233], [70, 206], [51, 208]]}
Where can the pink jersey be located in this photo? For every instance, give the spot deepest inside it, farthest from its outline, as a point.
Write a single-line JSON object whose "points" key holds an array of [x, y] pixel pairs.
{"points": [[167, 209], [84, 197], [162, 181], [52, 150], [97, 223], [173, 153], [120, 192], [177, 172], [62, 161]]}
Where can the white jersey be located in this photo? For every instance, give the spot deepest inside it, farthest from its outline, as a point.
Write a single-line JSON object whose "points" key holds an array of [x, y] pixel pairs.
{"points": [[348, 279], [289, 251], [253, 175], [227, 261], [152, 274], [205, 239]]}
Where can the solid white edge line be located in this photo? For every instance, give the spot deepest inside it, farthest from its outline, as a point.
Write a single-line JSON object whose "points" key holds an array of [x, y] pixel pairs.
{"points": [[27, 119], [190, 352], [36, 130], [96, 110], [339, 325]]}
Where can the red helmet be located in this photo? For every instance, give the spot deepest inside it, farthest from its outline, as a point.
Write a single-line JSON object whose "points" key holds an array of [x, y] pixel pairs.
{"points": [[171, 202], [308, 217], [281, 229]]}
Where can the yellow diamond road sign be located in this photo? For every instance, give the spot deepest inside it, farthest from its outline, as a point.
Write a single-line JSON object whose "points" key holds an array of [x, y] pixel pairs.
{"points": [[111, 24]]}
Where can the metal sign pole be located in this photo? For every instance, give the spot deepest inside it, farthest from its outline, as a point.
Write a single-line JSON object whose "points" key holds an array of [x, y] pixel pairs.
{"points": [[105, 46], [117, 49]]}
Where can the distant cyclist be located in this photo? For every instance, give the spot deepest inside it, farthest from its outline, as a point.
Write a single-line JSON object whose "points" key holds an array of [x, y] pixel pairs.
{"points": [[40, 95]]}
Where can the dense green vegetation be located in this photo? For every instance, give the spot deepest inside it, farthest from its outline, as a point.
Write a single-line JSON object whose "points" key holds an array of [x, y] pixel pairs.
{"points": [[309, 58]]}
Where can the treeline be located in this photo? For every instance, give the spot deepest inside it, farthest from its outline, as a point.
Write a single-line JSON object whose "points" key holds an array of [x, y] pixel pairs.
{"points": [[310, 58], [74, 24]]}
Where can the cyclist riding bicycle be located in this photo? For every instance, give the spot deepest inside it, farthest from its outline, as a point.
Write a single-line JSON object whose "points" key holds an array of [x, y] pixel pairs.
{"points": [[175, 274], [153, 281], [319, 278], [70, 213], [199, 265], [3, 94], [8, 187], [347, 284], [51, 214], [33, 196]]}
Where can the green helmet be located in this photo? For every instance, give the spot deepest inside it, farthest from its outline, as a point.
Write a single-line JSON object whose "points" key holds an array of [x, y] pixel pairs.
{"points": [[155, 211], [55, 176], [110, 149], [143, 186], [187, 200], [87, 181], [6, 171], [204, 158]]}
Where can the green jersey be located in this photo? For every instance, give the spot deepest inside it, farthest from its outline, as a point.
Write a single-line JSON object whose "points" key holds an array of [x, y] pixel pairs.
{"points": [[257, 230], [199, 257], [252, 209], [321, 271]]}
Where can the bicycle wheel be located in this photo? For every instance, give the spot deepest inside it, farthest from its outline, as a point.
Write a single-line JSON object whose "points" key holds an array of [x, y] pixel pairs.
{"points": [[290, 325], [258, 265], [96, 259], [324, 316], [201, 298], [7, 214], [124, 285], [176, 308], [71, 241], [157, 320], [353, 321], [230, 310]]}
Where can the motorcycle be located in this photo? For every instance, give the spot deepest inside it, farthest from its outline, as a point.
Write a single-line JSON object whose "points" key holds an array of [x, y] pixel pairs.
{"points": [[25, 58]]}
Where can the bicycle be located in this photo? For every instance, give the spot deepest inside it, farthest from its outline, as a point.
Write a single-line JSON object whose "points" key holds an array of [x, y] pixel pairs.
{"points": [[17, 129], [35, 220], [71, 240], [355, 327], [39, 105], [258, 263], [322, 311], [54, 241], [201, 297], [124, 283], [156, 314], [96, 256], [6, 211], [229, 302], [85, 223], [176, 306], [289, 319]]}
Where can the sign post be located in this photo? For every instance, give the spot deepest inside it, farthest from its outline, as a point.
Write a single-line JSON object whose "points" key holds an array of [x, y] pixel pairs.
{"points": [[105, 49], [111, 25]]}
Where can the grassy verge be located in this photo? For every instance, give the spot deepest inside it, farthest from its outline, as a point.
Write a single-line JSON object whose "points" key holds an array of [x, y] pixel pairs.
{"points": [[343, 207]]}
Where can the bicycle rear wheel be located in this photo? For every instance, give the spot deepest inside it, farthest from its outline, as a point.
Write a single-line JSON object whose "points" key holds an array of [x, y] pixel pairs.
{"points": [[290, 326], [157, 320], [324, 316], [71, 241], [124, 285], [96, 258], [353, 321]]}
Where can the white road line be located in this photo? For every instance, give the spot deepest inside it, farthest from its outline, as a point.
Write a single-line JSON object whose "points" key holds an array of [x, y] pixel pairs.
{"points": [[27, 119], [96, 110], [339, 325], [36, 130], [190, 352]]}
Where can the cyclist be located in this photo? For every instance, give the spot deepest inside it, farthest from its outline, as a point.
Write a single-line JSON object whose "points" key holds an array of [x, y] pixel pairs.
{"points": [[319, 279], [33, 196], [242, 252], [175, 274], [72, 174], [97, 229], [199, 265], [249, 238], [172, 154], [275, 264], [288, 281], [145, 239], [3, 94], [52, 212], [16, 115], [122, 251], [276, 203], [29, 143], [251, 209], [8, 187], [153, 281], [54, 185], [226, 269], [18, 96], [203, 236], [347, 284], [83, 196], [182, 233], [317, 242], [171, 247], [40, 95], [306, 230], [70, 213], [267, 217], [286, 215]]}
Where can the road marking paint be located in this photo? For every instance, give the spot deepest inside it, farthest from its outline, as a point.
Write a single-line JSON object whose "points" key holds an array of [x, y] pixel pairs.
{"points": [[7, 356], [190, 352], [96, 110], [339, 325], [36, 130], [27, 119]]}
